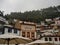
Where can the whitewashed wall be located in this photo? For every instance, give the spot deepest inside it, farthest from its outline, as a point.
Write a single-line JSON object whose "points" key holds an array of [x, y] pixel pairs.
{"points": [[53, 40]]}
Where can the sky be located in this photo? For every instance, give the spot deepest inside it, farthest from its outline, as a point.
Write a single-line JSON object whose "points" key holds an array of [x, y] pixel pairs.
{"points": [[9, 6]]}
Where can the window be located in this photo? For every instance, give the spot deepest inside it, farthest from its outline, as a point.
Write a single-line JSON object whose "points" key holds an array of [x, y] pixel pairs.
{"points": [[10, 30], [46, 39], [1, 30], [28, 34], [56, 39], [38, 31], [23, 34], [32, 34], [59, 38], [50, 39], [15, 31]]}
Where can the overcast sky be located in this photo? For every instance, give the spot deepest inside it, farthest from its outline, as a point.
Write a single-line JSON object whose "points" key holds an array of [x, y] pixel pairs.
{"points": [[26, 5]]}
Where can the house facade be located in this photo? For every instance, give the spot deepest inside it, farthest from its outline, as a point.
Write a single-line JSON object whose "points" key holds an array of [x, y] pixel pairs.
{"points": [[54, 39], [8, 29], [28, 29]]}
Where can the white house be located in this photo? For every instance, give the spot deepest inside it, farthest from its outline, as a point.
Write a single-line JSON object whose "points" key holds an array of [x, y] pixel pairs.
{"points": [[9, 29], [55, 39]]}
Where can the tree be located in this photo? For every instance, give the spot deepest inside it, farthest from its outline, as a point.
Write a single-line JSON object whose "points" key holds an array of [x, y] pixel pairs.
{"points": [[35, 15]]}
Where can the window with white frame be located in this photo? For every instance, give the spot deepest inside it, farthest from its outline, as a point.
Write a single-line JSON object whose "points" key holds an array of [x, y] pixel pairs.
{"points": [[15, 31], [9, 30]]}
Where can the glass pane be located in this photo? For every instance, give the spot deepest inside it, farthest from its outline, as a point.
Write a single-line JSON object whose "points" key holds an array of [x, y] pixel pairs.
{"points": [[46, 39], [59, 38], [1, 30], [10, 30], [56, 39], [23, 34], [15, 31], [28, 34], [32, 34], [50, 39]]}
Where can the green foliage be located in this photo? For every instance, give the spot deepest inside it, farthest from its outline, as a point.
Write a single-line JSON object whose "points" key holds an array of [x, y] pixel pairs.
{"points": [[35, 15]]}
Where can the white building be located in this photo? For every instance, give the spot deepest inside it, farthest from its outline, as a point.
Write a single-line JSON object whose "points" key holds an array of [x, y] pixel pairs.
{"points": [[54, 39], [9, 29], [48, 20], [51, 36]]}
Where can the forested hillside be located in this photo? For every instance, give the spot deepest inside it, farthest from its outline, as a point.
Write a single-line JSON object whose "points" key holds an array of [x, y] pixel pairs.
{"points": [[35, 15]]}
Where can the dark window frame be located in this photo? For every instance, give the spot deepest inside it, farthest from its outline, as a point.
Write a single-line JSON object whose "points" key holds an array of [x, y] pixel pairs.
{"points": [[59, 38], [56, 39], [2, 31], [9, 30], [28, 34], [15, 31], [46, 39], [23, 34], [50, 39]]}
